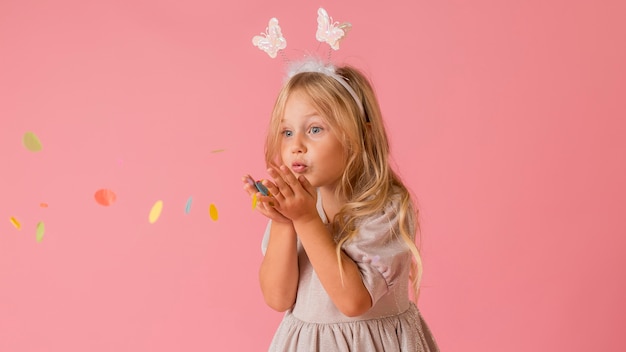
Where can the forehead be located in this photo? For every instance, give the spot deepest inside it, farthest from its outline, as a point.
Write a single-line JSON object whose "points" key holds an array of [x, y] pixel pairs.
{"points": [[299, 104]]}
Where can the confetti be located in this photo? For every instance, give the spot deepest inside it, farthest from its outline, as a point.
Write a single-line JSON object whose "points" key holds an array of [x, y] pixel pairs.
{"points": [[375, 259], [41, 228], [31, 142], [188, 205], [213, 212], [105, 197], [261, 188], [155, 212], [254, 201], [217, 150], [15, 223], [43, 205]]}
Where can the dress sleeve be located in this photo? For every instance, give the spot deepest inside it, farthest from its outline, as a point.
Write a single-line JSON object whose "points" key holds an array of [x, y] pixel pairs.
{"points": [[380, 252], [266, 237]]}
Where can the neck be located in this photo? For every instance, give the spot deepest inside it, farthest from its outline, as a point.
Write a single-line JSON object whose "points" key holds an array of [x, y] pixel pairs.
{"points": [[330, 203]]}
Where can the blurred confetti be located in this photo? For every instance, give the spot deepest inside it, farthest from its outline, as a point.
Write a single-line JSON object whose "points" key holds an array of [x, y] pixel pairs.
{"points": [[105, 197], [43, 205], [254, 201], [188, 205], [155, 212], [217, 150], [41, 228], [213, 212], [31, 142], [15, 223]]}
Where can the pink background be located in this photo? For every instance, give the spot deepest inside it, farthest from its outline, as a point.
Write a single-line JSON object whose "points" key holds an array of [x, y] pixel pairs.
{"points": [[506, 119]]}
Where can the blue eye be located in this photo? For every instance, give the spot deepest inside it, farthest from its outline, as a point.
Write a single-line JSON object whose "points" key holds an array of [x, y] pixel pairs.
{"points": [[287, 133], [316, 130]]}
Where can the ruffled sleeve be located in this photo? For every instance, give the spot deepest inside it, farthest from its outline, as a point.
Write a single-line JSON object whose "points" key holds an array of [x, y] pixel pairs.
{"points": [[380, 252]]}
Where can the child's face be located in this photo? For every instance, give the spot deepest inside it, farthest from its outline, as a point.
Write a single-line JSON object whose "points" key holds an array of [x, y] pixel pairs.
{"points": [[308, 145]]}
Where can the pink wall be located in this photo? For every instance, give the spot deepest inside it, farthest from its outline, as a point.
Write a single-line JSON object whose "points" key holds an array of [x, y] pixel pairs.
{"points": [[507, 120]]}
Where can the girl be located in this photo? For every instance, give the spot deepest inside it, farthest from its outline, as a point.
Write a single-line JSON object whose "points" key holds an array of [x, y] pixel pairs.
{"points": [[339, 245]]}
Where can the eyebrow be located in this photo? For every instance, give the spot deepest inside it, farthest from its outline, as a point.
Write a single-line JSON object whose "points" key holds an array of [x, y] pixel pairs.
{"points": [[313, 114]]}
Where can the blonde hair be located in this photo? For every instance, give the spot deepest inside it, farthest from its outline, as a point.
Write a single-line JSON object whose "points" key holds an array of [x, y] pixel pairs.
{"points": [[368, 181]]}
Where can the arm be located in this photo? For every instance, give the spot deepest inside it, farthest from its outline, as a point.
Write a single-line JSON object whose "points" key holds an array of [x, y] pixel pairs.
{"points": [[296, 199], [350, 297], [278, 274]]}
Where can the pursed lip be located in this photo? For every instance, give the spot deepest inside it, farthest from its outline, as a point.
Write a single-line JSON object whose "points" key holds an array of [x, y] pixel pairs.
{"points": [[298, 167]]}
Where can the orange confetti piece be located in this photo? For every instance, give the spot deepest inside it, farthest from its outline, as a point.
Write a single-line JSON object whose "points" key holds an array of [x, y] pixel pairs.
{"points": [[213, 212], [105, 197], [43, 205], [15, 223]]}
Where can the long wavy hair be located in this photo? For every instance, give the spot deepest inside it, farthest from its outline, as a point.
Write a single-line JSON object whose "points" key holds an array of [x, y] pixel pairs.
{"points": [[368, 181]]}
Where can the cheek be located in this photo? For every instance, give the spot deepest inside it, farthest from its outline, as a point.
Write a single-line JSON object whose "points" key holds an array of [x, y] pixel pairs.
{"points": [[283, 154]]}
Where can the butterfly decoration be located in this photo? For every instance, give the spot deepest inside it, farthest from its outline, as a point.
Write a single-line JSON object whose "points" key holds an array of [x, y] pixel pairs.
{"points": [[272, 40], [328, 31]]}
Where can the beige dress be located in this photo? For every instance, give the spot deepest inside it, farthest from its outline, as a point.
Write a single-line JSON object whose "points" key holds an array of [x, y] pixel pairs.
{"points": [[392, 324]]}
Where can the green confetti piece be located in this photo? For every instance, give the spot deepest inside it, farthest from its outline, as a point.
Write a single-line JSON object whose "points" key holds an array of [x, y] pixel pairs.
{"points": [[31, 142], [41, 228]]}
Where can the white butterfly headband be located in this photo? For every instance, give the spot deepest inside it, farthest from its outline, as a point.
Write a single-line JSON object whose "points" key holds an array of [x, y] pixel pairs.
{"points": [[272, 41]]}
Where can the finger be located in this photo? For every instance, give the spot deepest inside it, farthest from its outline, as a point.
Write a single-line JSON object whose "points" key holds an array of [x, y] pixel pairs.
{"points": [[280, 182], [271, 212], [307, 185], [272, 188], [251, 191], [248, 185], [248, 179], [289, 177], [271, 202]]}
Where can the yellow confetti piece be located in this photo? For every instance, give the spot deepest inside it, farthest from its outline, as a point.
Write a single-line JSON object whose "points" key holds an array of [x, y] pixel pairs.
{"points": [[213, 212], [254, 201], [31, 142], [41, 228], [16, 223], [217, 150], [155, 212]]}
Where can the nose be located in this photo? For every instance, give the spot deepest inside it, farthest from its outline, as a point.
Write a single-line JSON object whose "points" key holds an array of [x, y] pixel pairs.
{"points": [[297, 144]]}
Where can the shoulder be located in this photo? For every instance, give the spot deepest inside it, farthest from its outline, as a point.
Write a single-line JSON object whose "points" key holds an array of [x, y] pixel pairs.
{"points": [[391, 208]]}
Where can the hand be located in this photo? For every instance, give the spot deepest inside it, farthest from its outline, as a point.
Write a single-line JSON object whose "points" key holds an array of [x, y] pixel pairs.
{"points": [[264, 204], [294, 198]]}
